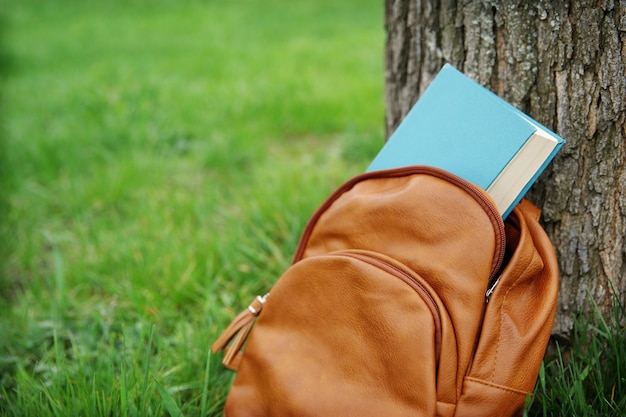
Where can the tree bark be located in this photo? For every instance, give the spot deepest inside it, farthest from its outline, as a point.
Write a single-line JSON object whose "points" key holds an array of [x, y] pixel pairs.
{"points": [[563, 63]]}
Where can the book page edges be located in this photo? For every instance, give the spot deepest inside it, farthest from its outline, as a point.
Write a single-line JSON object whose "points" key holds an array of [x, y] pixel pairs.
{"points": [[523, 168]]}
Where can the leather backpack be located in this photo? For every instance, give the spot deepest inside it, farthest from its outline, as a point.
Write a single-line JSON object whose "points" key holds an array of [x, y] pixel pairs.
{"points": [[408, 296]]}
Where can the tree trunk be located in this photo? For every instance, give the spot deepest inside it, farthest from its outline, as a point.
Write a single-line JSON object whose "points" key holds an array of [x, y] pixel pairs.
{"points": [[563, 63]]}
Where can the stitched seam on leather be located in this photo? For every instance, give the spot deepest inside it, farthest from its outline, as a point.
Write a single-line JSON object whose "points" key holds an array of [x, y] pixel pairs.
{"points": [[504, 299], [500, 387]]}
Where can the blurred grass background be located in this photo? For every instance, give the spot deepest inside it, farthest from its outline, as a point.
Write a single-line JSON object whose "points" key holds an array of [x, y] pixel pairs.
{"points": [[158, 162]]}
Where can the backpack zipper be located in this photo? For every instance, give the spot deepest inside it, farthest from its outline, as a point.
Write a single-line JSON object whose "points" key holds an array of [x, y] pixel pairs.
{"points": [[491, 289], [473, 190], [409, 279]]}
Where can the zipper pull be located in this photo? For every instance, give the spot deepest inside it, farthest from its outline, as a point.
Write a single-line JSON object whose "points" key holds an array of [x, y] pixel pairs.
{"points": [[237, 332], [491, 289]]}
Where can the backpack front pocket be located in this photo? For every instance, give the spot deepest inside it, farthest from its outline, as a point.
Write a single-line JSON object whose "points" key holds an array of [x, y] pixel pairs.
{"points": [[351, 333]]}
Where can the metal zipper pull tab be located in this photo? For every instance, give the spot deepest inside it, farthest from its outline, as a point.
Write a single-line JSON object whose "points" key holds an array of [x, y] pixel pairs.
{"points": [[491, 289]]}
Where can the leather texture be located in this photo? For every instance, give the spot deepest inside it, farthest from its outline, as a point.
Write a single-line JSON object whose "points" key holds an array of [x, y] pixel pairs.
{"points": [[384, 312]]}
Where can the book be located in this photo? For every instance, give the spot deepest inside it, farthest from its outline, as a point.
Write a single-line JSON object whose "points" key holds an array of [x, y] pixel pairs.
{"points": [[462, 127]]}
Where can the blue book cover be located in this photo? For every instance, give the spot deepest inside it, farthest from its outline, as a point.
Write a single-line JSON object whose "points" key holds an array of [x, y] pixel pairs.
{"points": [[461, 127]]}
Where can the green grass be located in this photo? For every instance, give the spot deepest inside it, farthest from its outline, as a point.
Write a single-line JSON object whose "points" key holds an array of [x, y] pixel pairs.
{"points": [[159, 160], [588, 378], [157, 164]]}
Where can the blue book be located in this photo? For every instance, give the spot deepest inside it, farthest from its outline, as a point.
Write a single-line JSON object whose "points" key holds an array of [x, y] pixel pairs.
{"points": [[461, 127]]}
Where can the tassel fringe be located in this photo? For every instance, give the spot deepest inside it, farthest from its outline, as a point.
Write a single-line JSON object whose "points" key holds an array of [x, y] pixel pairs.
{"points": [[235, 335]]}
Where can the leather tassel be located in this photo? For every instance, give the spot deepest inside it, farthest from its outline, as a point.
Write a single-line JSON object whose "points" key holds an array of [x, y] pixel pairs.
{"points": [[237, 332], [233, 353]]}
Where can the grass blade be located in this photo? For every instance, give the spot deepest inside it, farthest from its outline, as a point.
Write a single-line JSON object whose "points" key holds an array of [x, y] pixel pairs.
{"points": [[168, 401], [205, 384], [146, 371]]}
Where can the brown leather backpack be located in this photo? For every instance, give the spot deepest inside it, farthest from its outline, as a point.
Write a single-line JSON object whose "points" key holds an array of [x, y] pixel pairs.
{"points": [[408, 296]]}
